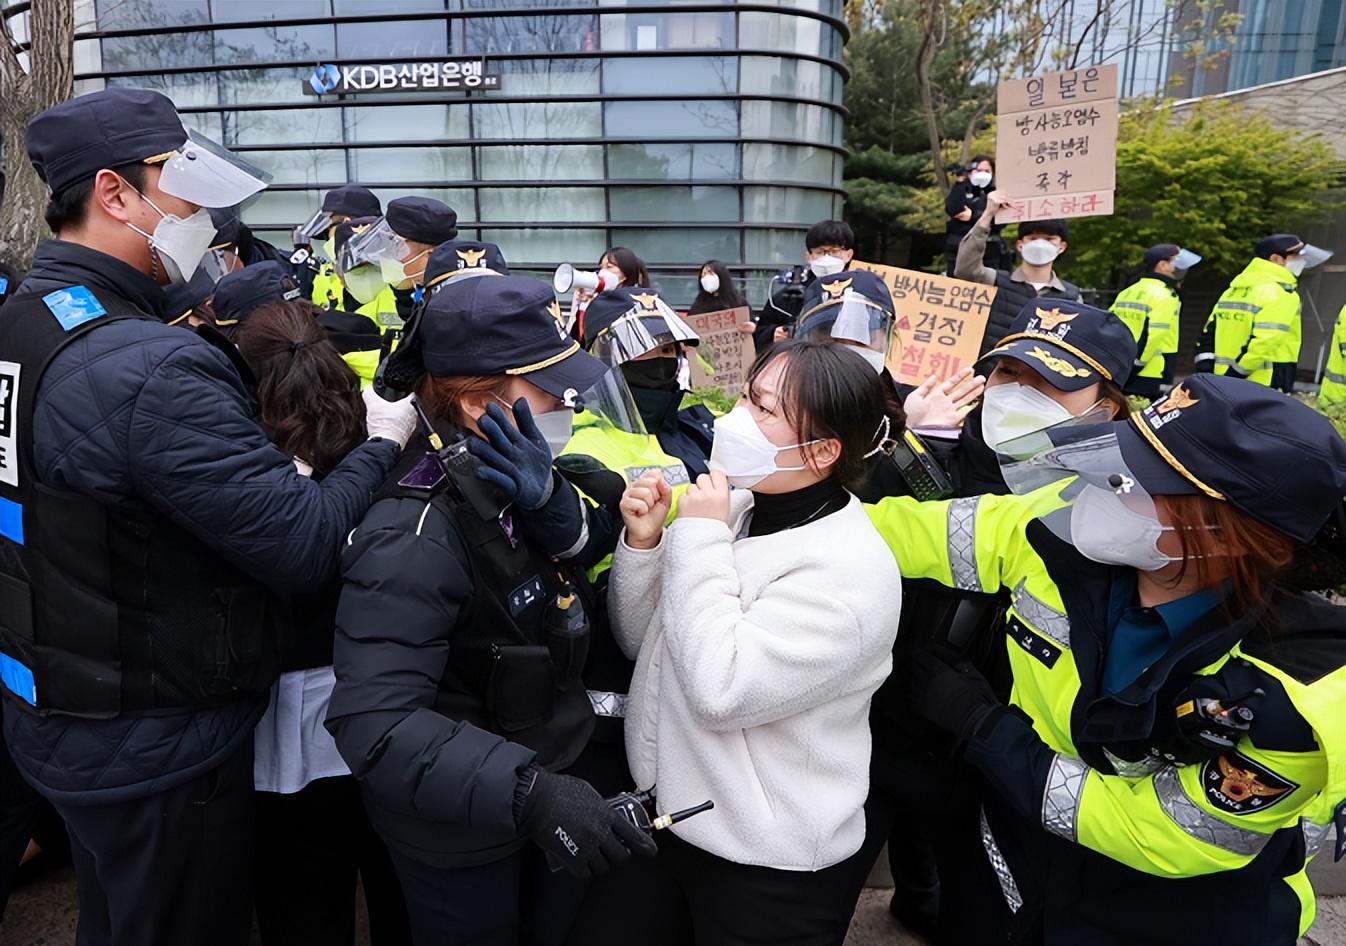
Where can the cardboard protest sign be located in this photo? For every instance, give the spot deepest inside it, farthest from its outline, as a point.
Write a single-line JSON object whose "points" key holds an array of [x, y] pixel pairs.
{"points": [[1056, 144], [726, 352], [939, 324]]}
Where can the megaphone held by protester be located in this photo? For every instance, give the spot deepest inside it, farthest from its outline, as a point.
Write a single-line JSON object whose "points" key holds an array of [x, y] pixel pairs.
{"points": [[568, 277]]}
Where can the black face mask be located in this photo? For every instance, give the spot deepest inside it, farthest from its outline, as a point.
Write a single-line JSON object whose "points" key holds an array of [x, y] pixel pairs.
{"points": [[658, 374]]}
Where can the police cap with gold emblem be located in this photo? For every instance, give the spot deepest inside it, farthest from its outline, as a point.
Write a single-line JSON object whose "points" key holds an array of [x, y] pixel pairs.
{"points": [[456, 257], [1261, 451], [1071, 344], [639, 316], [828, 291]]}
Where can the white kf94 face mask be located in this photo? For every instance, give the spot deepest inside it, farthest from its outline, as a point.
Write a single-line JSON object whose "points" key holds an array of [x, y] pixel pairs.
{"points": [[1012, 410], [743, 453], [1103, 528], [1039, 252], [180, 243]]}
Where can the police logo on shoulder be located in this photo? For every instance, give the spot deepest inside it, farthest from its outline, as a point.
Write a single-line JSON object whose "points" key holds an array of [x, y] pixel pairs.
{"points": [[1237, 785]]}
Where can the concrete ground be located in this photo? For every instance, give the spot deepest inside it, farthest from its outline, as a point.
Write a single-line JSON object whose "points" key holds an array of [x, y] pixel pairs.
{"points": [[43, 914]]}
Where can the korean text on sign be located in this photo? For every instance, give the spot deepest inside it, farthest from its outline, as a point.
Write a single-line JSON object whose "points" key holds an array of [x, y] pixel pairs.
{"points": [[726, 352], [1056, 145], [939, 324]]}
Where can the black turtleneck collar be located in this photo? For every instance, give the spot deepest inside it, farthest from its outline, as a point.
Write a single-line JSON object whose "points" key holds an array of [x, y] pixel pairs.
{"points": [[58, 263], [1166, 280], [776, 512]]}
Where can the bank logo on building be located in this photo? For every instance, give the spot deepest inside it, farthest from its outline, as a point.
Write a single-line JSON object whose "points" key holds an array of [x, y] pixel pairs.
{"points": [[445, 75]]}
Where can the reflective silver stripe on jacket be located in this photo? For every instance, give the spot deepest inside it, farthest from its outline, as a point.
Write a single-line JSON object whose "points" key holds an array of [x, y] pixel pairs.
{"points": [[1206, 356], [1131, 305], [1162, 326], [1128, 769], [1008, 887], [583, 538], [1271, 326], [1061, 800], [1199, 823], [1314, 836], [1333, 376], [1239, 306], [963, 544], [608, 704], [1043, 617]]}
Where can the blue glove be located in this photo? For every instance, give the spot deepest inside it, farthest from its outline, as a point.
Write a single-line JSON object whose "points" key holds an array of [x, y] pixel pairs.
{"points": [[517, 460]]}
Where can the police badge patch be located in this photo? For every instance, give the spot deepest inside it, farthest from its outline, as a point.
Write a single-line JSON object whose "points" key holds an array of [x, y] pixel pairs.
{"points": [[1237, 785]]}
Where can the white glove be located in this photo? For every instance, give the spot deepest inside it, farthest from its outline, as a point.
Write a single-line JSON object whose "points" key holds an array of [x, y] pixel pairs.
{"points": [[391, 420]]}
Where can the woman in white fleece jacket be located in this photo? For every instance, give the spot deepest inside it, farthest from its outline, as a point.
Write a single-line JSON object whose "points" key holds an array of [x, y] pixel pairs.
{"points": [[761, 622]]}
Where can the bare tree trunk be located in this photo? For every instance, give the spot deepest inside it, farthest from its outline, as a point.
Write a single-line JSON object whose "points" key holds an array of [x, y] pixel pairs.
{"points": [[930, 16], [49, 79]]}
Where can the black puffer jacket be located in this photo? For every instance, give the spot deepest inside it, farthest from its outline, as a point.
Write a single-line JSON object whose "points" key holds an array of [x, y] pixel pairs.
{"points": [[142, 415]]}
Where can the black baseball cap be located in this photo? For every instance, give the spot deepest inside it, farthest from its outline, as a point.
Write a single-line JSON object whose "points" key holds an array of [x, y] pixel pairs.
{"points": [[75, 139], [1280, 244], [352, 200], [610, 305], [1160, 252], [1265, 453], [829, 290], [508, 325], [239, 292], [454, 256], [1069, 343], [422, 219]]}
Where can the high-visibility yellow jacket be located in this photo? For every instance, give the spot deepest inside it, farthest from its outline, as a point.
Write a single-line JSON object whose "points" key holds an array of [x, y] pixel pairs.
{"points": [[1333, 389], [1150, 307], [1256, 323]]}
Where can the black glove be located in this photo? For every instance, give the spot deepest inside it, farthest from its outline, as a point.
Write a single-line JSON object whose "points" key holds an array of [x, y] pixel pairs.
{"points": [[575, 826], [518, 460], [949, 693]]}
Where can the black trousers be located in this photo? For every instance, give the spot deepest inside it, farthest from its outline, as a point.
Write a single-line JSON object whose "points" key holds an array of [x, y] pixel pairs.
{"points": [[170, 869], [311, 847], [19, 806], [741, 905]]}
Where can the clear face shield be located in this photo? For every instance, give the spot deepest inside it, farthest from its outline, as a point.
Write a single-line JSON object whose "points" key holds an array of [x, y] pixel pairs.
{"points": [[608, 405], [1314, 255], [219, 262], [639, 332], [380, 246], [316, 226], [207, 174], [855, 320]]}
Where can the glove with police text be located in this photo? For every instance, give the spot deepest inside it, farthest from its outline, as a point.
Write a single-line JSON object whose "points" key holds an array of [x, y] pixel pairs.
{"points": [[576, 826], [516, 459], [391, 420], [951, 695]]}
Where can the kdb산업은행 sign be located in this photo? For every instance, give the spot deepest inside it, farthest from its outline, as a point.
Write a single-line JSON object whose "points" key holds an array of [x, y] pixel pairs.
{"points": [[1056, 144], [938, 325], [451, 75]]}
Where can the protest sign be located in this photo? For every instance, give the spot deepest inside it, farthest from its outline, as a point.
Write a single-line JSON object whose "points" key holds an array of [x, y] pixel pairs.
{"points": [[726, 352], [1056, 144], [939, 324]]}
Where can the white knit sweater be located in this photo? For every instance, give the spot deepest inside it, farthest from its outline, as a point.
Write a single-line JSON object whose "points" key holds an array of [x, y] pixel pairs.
{"points": [[756, 659]]}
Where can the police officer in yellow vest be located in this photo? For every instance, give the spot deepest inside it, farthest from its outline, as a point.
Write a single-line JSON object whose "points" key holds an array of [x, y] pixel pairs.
{"points": [[365, 292], [338, 205], [1150, 308], [1173, 751], [1255, 329], [1333, 388], [400, 244]]}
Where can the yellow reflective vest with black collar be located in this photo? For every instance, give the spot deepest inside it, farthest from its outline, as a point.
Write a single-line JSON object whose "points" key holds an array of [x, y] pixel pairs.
{"points": [[1255, 325], [1150, 308], [1333, 389], [1243, 824], [326, 283]]}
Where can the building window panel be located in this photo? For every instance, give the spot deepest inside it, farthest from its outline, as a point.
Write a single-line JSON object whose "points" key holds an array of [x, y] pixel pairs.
{"points": [[424, 163], [409, 39], [210, 124], [462, 200], [656, 75], [542, 204], [773, 247], [702, 161], [801, 78], [160, 51], [544, 78], [786, 205], [429, 122], [276, 44], [532, 245], [186, 91], [307, 166], [263, 86], [283, 209], [134, 14], [680, 245], [674, 204], [767, 162], [356, 7], [718, 119], [283, 126], [789, 120], [645, 31], [537, 120], [540, 162], [788, 33], [502, 35], [224, 11]]}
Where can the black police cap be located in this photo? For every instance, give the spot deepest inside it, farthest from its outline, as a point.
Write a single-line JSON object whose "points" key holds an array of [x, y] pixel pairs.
{"points": [[352, 200], [508, 325], [422, 220], [611, 304], [346, 229], [183, 298], [240, 292], [1071, 344], [454, 256], [75, 139], [227, 227], [1265, 453], [1278, 243], [829, 290], [1160, 252]]}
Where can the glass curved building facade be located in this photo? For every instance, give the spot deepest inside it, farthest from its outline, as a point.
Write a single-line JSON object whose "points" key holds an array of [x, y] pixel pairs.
{"points": [[687, 131]]}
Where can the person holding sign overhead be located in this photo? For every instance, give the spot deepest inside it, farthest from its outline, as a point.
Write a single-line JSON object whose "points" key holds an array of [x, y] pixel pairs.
{"points": [[1040, 244]]}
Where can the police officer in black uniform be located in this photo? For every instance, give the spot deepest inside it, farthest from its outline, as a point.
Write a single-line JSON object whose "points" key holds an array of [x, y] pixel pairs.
{"points": [[460, 642], [141, 510]]}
